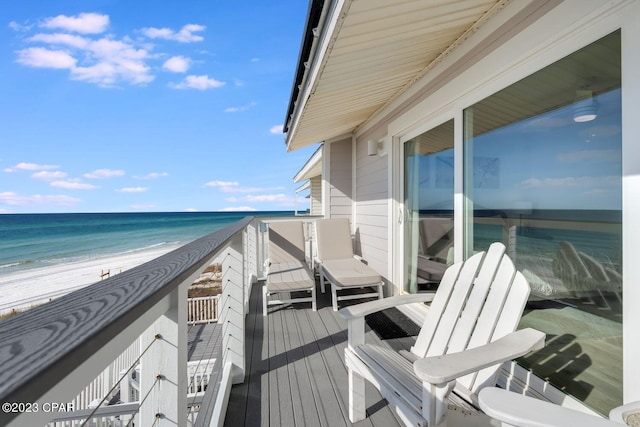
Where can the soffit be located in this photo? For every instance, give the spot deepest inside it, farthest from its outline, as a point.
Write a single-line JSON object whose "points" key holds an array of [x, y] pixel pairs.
{"points": [[378, 50]]}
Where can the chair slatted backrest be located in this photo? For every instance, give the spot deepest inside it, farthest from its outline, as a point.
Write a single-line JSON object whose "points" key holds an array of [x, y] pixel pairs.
{"points": [[477, 302], [334, 239], [286, 242]]}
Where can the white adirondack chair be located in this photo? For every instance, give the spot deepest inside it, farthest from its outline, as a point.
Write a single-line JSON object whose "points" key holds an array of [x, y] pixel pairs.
{"points": [[523, 411], [467, 334]]}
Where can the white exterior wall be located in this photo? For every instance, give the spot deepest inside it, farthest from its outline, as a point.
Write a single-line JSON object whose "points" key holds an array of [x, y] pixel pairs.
{"points": [[339, 190], [371, 205], [315, 199]]}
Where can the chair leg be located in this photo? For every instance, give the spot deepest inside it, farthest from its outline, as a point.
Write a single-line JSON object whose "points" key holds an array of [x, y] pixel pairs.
{"points": [[321, 280], [313, 299], [357, 403], [334, 297], [380, 292], [264, 300]]}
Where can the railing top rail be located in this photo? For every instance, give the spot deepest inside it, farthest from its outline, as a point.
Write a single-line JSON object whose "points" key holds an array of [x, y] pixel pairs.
{"points": [[40, 347]]}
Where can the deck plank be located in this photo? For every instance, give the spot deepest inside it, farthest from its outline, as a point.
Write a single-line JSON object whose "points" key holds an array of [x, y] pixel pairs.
{"points": [[296, 374]]}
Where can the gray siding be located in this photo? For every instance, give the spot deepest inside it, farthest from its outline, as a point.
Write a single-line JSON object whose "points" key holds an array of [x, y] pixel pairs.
{"points": [[315, 202], [372, 199], [340, 177]]}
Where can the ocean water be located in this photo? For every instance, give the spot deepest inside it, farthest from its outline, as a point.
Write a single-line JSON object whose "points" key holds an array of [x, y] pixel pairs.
{"points": [[40, 240]]}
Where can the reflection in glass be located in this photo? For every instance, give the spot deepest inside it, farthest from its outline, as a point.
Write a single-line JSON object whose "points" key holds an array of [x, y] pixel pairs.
{"points": [[544, 162], [429, 207]]}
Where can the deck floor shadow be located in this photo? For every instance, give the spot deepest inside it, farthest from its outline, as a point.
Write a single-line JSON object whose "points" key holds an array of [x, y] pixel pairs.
{"points": [[295, 371]]}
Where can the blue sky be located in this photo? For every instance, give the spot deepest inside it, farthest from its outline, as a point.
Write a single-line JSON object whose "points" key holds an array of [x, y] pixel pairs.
{"points": [[165, 106]]}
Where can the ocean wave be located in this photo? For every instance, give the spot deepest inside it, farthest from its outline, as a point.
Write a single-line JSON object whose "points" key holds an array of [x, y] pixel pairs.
{"points": [[16, 264]]}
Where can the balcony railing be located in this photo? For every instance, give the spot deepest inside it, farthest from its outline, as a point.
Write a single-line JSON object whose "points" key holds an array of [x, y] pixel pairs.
{"points": [[49, 353]]}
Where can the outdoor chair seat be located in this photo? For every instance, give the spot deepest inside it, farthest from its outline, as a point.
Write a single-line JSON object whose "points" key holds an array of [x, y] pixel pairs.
{"points": [[289, 277], [350, 272]]}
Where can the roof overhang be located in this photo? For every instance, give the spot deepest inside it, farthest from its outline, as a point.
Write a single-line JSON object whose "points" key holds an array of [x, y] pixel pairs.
{"points": [[312, 167], [366, 54]]}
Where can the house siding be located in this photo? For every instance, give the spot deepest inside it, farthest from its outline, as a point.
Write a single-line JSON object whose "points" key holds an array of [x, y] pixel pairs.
{"points": [[372, 204], [315, 202], [340, 179]]}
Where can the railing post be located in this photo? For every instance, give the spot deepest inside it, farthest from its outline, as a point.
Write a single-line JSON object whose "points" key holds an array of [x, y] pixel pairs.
{"points": [[231, 316], [163, 376]]}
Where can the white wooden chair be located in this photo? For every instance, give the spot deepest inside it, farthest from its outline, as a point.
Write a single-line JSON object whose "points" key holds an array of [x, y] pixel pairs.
{"points": [[467, 334], [514, 409], [338, 265], [286, 265]]}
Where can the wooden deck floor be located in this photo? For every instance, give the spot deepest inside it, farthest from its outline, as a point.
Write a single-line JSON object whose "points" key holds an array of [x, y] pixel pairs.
{"points": [[203, 341], [296, 374]]}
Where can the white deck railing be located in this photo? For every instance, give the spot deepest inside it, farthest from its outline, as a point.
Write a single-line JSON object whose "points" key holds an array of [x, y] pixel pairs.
{"points": [[47, 354], [202, 310]]}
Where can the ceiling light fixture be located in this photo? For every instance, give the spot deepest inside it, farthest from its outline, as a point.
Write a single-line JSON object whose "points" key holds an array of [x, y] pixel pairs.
{"points": [[585, 107]]}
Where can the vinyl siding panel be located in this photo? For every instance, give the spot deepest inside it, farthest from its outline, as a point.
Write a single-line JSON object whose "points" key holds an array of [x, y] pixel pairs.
{"points": [[372, 198], [340, 178], [315, 204]]}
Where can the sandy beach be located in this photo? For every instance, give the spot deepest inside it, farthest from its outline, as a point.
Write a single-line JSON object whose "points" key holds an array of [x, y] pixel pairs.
{"points": [[23, 289]]}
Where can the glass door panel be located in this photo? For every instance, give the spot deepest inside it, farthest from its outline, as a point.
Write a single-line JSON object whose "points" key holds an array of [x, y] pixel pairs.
{"points": [[543, 161], [428, 190]]}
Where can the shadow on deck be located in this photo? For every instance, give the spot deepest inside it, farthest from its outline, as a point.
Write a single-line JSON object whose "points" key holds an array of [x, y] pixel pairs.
{"points": [[295, 372]]}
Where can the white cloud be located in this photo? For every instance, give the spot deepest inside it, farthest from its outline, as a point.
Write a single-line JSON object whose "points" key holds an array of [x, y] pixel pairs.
{"points": [[104, 61], [268, 198], [609, 156], [152, 175], [49, 176], [112, 61], [255, 59], [191, 210], [222, 184], [573, 182], [198, 82], [84, 23], [237, 209], [276, 129], [73, 185], [242, 108], [132, 190], [142, 207], [177, 64], [14, 199], [19, 27], [30, 167], [104, 173], [184, 35], [226, 189], [39, 57], [70, 40]]}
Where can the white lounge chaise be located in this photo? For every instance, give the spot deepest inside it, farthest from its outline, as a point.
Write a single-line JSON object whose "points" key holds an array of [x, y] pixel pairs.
{"points": [[467, 334], [513, 409], [338, 265], [287, 270]]}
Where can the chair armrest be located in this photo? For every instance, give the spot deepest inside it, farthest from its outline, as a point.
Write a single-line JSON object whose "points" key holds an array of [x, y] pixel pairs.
{"points": [[620, 413], [442, 369], [524, 411], [361, 310]]}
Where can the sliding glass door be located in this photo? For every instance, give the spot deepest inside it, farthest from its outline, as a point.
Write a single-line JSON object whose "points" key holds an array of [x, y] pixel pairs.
{"points": [[428, 224], [543, 161]]}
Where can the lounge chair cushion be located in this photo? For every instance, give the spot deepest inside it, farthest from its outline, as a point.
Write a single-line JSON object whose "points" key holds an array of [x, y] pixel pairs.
{"points": [[350, 272], [334, 239], [289, 276]]}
